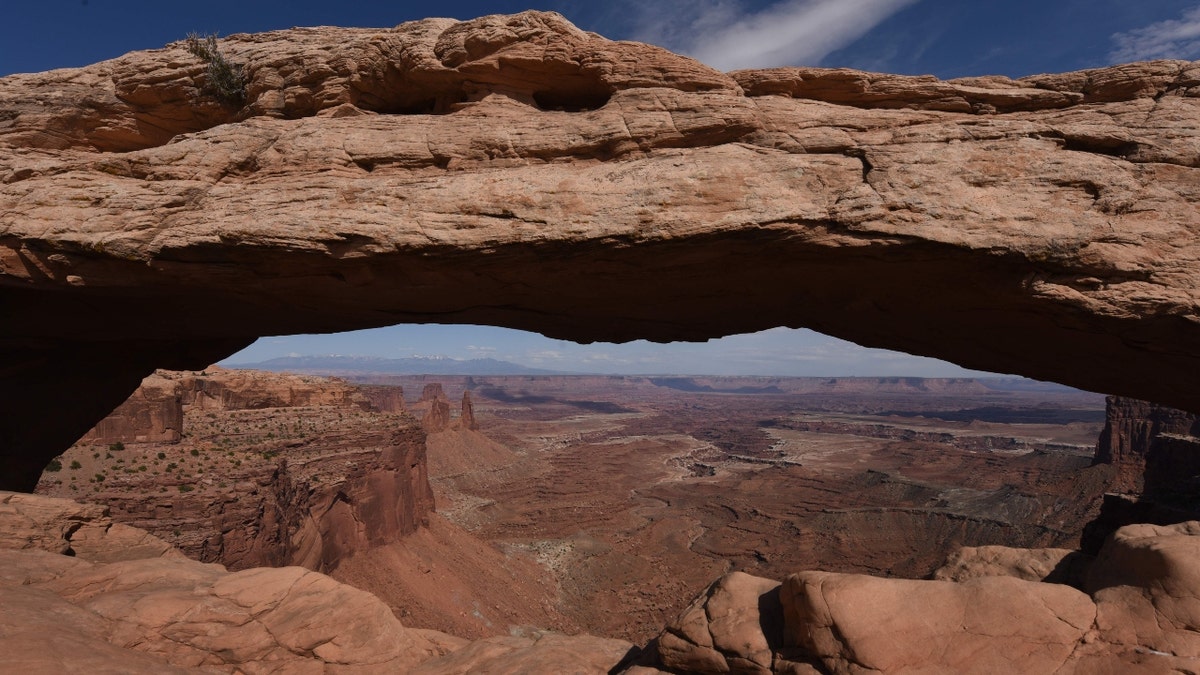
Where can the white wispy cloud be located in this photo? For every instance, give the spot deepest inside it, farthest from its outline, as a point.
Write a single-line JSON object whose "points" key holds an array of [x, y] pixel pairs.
{"points": [[727, 36], [1172, 39]]}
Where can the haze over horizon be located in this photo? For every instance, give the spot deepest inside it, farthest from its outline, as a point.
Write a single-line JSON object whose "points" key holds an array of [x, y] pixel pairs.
{"points": [[940, 37], [774, 352]]}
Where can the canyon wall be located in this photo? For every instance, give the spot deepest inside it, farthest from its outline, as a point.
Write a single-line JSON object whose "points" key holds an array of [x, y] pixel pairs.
{"points": [[312, 498], [152, 413], [218, 388], [384, 399], [84, 594], [1156, 453], [1142, 440], [311, 512], [517, 171]]}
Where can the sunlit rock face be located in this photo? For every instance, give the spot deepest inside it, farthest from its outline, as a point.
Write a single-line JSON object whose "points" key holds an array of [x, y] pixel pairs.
{"points": [[514, 170], [327, 475]]}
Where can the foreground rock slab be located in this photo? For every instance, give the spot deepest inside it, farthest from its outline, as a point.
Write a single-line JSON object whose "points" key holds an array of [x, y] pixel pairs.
{"points": [[116, 608], [991, 624], [517, 171], [1139, 615]]}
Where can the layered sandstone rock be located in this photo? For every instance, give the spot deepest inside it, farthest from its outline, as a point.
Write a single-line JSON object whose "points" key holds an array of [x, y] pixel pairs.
{"points": [[217, 388], [153, 413], [1140, 439], [1155, 451], [467, 417], [514, 170], [277, 469], [63, 527], [112, 607], [389, 399], [432, 392], [312, 507], [437, 416], [152, 609]]}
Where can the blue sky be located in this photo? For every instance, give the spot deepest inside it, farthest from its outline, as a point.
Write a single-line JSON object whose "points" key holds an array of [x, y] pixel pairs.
{"points": [[947, 38]]}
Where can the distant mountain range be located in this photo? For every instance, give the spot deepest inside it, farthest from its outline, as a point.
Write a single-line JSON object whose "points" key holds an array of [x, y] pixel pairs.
{"points": [[333, 365]]}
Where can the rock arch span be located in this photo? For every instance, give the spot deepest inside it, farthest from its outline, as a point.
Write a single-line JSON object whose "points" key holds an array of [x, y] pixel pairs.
{"points": [[1045, 226]]}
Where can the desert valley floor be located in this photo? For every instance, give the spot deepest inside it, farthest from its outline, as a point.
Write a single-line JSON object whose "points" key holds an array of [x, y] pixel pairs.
{"points": [[605, 504]]}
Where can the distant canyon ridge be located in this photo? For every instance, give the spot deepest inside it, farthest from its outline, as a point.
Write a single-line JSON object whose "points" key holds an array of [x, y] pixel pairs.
{"points": [[517, 171]]}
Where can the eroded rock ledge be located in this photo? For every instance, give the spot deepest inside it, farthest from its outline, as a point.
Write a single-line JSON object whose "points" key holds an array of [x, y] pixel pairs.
{"points": [[83, 593], [516, 171]]}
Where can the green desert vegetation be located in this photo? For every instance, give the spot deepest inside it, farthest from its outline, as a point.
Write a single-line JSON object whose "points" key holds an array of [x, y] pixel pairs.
{"points": [[226, 80]]}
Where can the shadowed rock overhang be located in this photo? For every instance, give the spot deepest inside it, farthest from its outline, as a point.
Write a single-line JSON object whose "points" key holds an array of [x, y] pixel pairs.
{"points": [[517, 171]]}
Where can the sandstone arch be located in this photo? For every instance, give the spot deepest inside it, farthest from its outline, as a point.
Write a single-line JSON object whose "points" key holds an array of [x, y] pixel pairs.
{"points": [[1044, 226]]}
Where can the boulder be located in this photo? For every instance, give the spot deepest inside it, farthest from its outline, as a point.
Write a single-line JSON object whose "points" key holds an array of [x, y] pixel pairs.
{"points": [[1146, 582], [859, 624], [1052, 565]]}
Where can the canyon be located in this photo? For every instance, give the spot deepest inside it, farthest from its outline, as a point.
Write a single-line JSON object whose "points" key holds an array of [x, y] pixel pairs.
{"points": [[516, 171], [604, 505]]}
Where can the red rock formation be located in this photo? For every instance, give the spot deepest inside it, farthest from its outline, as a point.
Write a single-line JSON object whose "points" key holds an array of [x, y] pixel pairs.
{"points": [[433, 392], [689, 196], [312, 507], [154, 413], [437, 417], [302, 496], [1156, 451], [467, 419], [218, 388], [389, 399], [1138, 439]]}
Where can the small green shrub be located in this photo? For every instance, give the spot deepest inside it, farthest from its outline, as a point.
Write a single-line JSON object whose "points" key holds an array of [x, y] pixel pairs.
{"points": [[54, 465], [76, 465], [117, 447], [162, 455], [186, 488], [226, 80]]}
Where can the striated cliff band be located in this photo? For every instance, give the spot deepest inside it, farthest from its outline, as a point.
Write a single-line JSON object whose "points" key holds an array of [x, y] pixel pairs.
{"points": [[517, 171]]}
